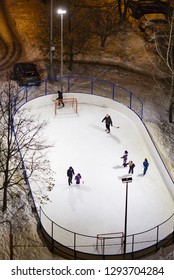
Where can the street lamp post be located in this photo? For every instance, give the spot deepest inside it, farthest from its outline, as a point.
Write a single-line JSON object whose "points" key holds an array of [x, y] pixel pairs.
{"points": [[51, 73], [126, 180], [61, 12]]}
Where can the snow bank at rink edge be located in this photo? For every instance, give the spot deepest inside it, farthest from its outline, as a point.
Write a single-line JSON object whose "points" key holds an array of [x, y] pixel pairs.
{"points": [[109, 103]]}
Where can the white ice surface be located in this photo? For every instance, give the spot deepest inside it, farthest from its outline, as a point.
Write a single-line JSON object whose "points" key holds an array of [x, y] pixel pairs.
{"points": [[98, 205]]}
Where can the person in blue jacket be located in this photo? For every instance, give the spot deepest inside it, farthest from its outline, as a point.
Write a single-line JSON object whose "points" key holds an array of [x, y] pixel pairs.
{"points": [[146, 165]]}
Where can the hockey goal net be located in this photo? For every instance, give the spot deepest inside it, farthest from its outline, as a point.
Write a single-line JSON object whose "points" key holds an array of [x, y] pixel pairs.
{"points": [[110, 243], [71, 104]]}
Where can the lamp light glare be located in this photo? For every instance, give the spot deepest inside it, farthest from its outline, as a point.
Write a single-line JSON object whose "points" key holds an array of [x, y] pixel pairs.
{"points": [[61, 11]]}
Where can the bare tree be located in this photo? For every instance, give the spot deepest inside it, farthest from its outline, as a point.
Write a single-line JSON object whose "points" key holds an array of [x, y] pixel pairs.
{"points": [[22, 149], [164, 42], [123, 6], [76, 30], [84, 19], [105, 22], [105, 17]]}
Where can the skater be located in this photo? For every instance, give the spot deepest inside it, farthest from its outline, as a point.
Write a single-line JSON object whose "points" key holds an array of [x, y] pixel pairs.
{"points": [[125, 158], [77, 178], [108, 122], [70, 173], [60, 98], [146, 165], [131, 167]]}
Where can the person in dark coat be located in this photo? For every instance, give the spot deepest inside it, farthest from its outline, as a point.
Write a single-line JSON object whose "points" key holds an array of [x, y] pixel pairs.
{"points": [[146, 165], [70, 173], [131, 167], [77, 178], [124, 157], [60, 98], [108, 122]]}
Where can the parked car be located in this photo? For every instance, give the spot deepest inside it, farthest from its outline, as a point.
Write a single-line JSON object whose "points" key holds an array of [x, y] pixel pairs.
{"points": [[140, 8], [26, 74], [151, 20]]}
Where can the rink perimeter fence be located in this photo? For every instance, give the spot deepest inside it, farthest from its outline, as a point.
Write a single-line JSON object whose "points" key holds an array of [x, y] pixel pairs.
{"points": [[72, 245]]}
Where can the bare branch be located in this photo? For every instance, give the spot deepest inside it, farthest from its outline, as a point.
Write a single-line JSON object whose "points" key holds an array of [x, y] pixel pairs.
{"points": [[23, 149]]}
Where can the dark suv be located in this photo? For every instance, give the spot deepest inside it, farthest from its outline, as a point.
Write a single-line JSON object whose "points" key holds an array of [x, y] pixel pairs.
{"points": [[26, 74], [142, 7]]}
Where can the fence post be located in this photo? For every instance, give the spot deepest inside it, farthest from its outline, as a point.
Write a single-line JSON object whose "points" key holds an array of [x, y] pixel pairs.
{"points": [[74, 245], [113, 93], [14, 104], [52, 236], [103, 247], [130, 100], [142, 109], [46, 83], [11, 244], [69, 83], [157, 238], [26, 93], [92, 85], [40, 211], [133, 246]]}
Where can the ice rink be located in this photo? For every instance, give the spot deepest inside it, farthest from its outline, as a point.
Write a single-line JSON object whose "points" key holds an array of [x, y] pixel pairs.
{"points": [[97, 205]]}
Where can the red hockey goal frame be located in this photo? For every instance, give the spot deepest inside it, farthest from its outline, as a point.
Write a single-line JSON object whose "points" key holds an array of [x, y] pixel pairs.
{"points": [[72, 100], [101, 240]]}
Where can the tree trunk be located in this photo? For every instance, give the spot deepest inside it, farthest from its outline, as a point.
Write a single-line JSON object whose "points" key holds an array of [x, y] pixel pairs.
{"points": [[4, 206], [103, 41], [171, 107], [70, 54]]}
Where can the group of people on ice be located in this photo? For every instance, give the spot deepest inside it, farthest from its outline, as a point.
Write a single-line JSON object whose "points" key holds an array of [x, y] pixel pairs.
{"points": [[108, 122], [131, 164]]}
